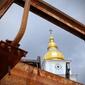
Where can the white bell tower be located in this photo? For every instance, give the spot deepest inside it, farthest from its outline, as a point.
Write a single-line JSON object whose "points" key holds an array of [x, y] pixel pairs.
{"points": [[53, 60]]}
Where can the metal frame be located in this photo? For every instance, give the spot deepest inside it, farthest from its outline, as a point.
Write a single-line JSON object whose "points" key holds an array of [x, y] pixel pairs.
{"points": [[56, 17]]}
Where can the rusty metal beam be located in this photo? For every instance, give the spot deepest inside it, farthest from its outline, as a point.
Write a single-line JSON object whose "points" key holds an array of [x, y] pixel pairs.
{"points": [[9, 57], [56, 17], [10, 54], [49, 13], [4, 5], [23, 23]]}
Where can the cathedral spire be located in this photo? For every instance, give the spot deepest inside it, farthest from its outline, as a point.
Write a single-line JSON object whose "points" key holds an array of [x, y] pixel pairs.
{"points": [[52, 50], [51, 32]]}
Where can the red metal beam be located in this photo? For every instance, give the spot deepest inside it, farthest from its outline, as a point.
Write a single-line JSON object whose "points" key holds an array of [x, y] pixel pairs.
{"points": [[4, 5], [51, 14], [23, 23], [9, 57], [55, 16], [10, 54]]}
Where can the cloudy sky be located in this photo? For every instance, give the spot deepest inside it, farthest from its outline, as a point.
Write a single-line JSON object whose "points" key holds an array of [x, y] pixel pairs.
{"points": [[35, 40]]}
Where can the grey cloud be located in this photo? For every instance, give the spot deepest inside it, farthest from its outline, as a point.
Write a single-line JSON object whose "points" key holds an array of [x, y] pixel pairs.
{"points": [[35, 40]]}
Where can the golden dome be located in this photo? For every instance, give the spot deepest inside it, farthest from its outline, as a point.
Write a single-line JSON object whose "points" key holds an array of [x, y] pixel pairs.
{"points": [[53, 53]]}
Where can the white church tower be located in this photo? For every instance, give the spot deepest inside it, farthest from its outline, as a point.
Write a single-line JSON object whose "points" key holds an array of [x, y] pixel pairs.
{"points": [[54, 62]]}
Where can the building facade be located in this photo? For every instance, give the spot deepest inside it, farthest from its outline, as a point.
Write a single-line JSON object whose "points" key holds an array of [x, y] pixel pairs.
{"points": [[54, 61]]}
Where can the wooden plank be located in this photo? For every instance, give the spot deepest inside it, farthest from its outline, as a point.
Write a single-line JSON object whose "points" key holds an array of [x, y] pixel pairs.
{"points": [[56, 16]]}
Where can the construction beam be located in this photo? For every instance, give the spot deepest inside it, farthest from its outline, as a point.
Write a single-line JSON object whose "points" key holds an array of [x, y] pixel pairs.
{"points": [[9, 57], [4, 5], [23, 23], [10, 54], [56, 17]]}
